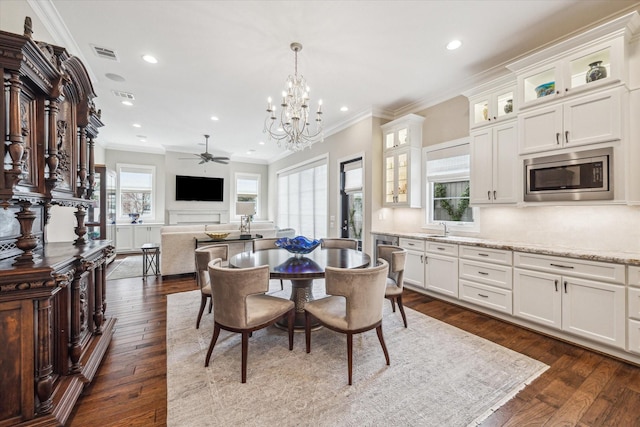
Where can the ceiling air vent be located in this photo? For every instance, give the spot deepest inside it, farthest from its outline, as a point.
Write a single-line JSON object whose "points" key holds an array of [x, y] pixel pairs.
{"points": [[123, 95], [105, 53]]}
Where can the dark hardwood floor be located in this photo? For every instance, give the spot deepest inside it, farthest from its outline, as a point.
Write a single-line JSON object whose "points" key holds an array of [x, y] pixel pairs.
{"points": [[581, 388]]}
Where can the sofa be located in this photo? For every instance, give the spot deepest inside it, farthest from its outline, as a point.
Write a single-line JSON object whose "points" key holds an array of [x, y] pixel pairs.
{"points": [[177, 243]]}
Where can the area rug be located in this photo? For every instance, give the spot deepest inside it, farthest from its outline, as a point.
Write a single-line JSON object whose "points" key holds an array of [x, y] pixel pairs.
{"points": [[130, 266], [439, 375]]}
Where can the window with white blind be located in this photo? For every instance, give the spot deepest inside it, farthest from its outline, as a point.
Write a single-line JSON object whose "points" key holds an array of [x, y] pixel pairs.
{"points": [[247, 190], [447, 179], [302, 199], [136, 187]]}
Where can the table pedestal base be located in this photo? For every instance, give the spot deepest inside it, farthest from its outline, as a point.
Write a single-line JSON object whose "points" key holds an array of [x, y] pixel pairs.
{"points": [[301, 293]]}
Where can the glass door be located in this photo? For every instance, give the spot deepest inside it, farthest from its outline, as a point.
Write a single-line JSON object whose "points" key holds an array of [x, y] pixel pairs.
{"points": [[351, 200]]}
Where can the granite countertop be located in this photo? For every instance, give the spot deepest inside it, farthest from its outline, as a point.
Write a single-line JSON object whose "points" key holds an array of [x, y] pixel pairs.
{"points": [[629, 258]]}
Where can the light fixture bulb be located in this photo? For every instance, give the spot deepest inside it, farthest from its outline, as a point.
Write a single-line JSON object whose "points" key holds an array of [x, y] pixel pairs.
{"points": [[454, 44]]}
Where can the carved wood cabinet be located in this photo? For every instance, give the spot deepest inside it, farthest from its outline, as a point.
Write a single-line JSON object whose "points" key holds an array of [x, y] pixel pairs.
{"points": [[54, 330]]}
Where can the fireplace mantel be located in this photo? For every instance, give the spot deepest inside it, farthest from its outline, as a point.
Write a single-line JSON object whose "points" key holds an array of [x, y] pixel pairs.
{"points": [[198, 216]]}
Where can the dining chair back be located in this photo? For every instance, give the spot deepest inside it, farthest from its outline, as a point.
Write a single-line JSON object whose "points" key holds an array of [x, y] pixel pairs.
{"points": [[240, 305], [266, 244], [396, 257], [339, 243], [353, 305], [204, 255]]}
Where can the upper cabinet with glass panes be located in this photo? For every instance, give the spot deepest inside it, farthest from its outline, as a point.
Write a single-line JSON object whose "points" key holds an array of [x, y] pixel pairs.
{"points": [[596, 58], [403, 132], [492, 103]]}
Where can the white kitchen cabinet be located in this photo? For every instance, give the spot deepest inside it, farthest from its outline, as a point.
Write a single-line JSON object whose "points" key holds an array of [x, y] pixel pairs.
{"points": [[402, 142], [570, 69], [441, 268], [552, 295], [495, 166], [486, 278], [579, 121], [403, 132], [492, 106], [414, 265], [124, 238], [402, 178], [633, 309]]}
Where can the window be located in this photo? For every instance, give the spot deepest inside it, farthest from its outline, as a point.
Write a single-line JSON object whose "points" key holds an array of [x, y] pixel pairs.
{"points": [[136, 191], [302, 199], [447, 176], [248, 189]]}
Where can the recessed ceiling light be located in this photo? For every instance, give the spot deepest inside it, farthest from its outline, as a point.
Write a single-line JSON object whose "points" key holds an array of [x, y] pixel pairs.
{"points": [[454, 44], [215, 118], [136, 125], [150, 59], [261, 142], [345, 108], [127, 103]]}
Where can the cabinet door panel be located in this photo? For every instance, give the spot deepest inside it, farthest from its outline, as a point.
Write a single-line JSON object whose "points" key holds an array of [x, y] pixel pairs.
{"points": [[540, 130], [506, 165], [414, 268], [481, 167], [633, 303], [537, 297], [593, 118], [441, 274], [488, 296], [594, 310]]}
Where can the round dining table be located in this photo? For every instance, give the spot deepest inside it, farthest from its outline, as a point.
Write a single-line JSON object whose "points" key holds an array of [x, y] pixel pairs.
{"points": [[300, 270]]}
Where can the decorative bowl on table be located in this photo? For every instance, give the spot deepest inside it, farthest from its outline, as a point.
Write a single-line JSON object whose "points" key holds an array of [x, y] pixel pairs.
{"points": [[216, 236], [545, 89], [298, 245]]}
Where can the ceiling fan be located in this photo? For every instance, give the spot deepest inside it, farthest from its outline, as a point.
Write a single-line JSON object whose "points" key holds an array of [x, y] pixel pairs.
{"points": [[208, 157]]}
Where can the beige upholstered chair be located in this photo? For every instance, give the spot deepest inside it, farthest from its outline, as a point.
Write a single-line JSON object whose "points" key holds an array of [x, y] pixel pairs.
{"points": [[354, 305], [396, 258], [339, 243], [204, 256], [264, 245], [240, 305]]}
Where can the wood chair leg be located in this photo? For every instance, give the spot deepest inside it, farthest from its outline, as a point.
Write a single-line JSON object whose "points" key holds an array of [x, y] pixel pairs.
{"points": [[307, 330], [401, 307], [203, 303], [210, 304], [245, 349], [281, 285], [350, 355], [214, 338], [392, 300], [291, 318], [384, 347]]}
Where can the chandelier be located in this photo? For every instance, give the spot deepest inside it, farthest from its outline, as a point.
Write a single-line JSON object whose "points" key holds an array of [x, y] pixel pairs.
{"points": [[293, 130]]}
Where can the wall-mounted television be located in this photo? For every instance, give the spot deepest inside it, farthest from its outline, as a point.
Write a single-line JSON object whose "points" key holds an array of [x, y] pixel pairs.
{"points": [[199, 188]]}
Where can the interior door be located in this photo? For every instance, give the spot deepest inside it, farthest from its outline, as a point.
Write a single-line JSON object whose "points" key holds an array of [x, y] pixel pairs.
{"points": [[351, 200]]}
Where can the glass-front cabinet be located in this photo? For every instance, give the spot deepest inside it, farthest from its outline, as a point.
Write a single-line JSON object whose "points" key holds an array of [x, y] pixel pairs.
{"points": [[572, 72], [492, 107], [402, 141]]}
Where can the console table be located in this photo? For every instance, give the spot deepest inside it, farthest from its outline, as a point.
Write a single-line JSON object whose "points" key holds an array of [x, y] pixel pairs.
{"points": [[202, 240]]}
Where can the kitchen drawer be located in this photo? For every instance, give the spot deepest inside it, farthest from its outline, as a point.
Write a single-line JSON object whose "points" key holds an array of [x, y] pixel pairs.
{"points": [[442, 248], [489, 274], [593, 270], [411, 244], [634, 275], [633, 326], [633, 303], [497, 256], [487, 296]]}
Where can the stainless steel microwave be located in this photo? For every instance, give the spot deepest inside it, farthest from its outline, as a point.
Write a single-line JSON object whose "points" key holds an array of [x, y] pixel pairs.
{"points": [[582, 175]]}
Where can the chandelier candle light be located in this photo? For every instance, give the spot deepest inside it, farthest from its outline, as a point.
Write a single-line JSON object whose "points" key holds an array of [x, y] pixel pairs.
{"points": [[293, 130]]}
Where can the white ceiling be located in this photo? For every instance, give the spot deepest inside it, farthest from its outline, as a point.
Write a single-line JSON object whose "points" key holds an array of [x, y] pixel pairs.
{"points": [[224, 58]]}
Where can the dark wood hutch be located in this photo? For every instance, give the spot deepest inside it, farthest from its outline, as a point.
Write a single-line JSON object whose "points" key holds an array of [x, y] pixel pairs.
{"points": [[54, 330]]}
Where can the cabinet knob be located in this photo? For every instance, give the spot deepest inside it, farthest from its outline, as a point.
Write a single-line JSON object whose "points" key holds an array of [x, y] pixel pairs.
{"points": [[558, 138], [488, 194], [566, 136]]}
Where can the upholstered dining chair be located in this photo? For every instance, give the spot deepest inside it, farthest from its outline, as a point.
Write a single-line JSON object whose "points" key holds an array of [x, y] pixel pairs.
{"points": [[204, 256], [339, 243], [240, 305], [354, 305], [396, 257], [266, 244]]}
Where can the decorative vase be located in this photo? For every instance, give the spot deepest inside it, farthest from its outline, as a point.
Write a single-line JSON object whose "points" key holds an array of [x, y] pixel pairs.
{"points": [[508, 107], [596, 72], [485, 111]]}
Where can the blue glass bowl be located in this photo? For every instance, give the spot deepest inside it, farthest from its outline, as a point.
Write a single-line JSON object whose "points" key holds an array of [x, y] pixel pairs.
{"points": [[545, 89], [298, 245]]}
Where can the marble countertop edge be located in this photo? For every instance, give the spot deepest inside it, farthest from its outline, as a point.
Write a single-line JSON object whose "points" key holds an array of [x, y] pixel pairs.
{"points": [[618, 257]]}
